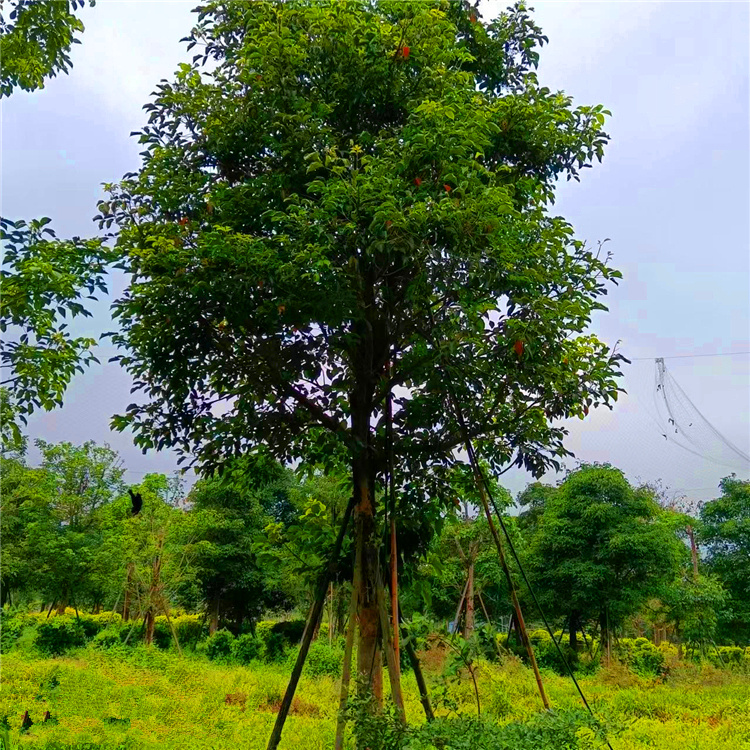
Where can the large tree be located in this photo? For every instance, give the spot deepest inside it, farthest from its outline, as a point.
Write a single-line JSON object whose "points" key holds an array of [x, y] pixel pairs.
{"points": [[353, 199], [601, 548]]}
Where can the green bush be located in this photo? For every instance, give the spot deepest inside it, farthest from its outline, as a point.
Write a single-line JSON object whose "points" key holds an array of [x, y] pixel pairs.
{"points": [[219, 645], [561, 730], [322, 659], [10, 629], [58, 635], [247, 648], [189, 629], [641, 656], [108, 638], [162, 633], [553, 731], [277, 637]]}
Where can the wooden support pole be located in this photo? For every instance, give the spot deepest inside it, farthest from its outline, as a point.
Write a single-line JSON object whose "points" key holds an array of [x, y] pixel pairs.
{"points": [[460, 606], [484, 609], [469, 621], [312, 620], [394, 593], [394, 673], [520, 623], [347, 670], [165, 608], [411, 653]]}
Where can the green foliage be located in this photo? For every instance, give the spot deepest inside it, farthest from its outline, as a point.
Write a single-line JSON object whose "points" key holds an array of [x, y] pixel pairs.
{"points": [[602, 547], [641, 656], [43, 281], [58, 635], [108, 638], [397, 215], [278, 637], [35, 41], [725, 533], [247, 648], [10, 629], [559, 730], [218, 535], [219, 645], [189, 629], [695, 606], [322, 659]]}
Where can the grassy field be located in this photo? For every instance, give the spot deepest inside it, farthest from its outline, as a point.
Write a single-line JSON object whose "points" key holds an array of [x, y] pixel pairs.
{"points": [[146, 698]]}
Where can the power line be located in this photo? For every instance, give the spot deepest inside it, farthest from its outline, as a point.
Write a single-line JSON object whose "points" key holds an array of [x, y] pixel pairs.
{"points": [[688, 356]]}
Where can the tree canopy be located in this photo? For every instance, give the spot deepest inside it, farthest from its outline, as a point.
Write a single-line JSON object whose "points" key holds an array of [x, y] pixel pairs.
{"points": [[725, 533], [601, 547]]}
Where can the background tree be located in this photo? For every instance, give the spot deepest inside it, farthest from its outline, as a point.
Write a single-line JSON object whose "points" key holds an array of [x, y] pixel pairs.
{"points": [[25, 491], [532, 501], [293, 551], [353, 198], [223, 523], [65, 533], [725, 534], [601, 548]]}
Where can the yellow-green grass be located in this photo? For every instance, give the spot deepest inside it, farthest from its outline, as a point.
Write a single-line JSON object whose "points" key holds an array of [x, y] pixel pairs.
{"points": [[174, 702]]}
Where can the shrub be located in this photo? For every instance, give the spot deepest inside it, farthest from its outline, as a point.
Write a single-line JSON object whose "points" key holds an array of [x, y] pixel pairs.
{"points": [[10, 629], [322, 659], [219, 645], [572, 730], [641, 656], [247, 648], [162, 633], [189, 629], [108, 638], [277, 637], [58, 635]]}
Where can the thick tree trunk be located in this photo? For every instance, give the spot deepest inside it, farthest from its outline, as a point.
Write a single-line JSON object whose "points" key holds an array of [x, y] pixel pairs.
{"points": [[469, 626], [369, 660]]}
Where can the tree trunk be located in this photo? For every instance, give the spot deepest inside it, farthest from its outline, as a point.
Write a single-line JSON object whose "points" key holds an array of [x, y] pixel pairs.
{"points": [[469, 625], [394, 593], [369, 660], [213, 622], [573, 635], [149, 620]]}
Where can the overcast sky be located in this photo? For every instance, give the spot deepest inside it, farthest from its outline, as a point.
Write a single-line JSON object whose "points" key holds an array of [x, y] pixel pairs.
{"points": [[672, 196]]}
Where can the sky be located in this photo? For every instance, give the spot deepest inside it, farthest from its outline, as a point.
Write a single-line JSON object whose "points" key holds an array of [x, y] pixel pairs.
{"points": [[672, 196]]}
